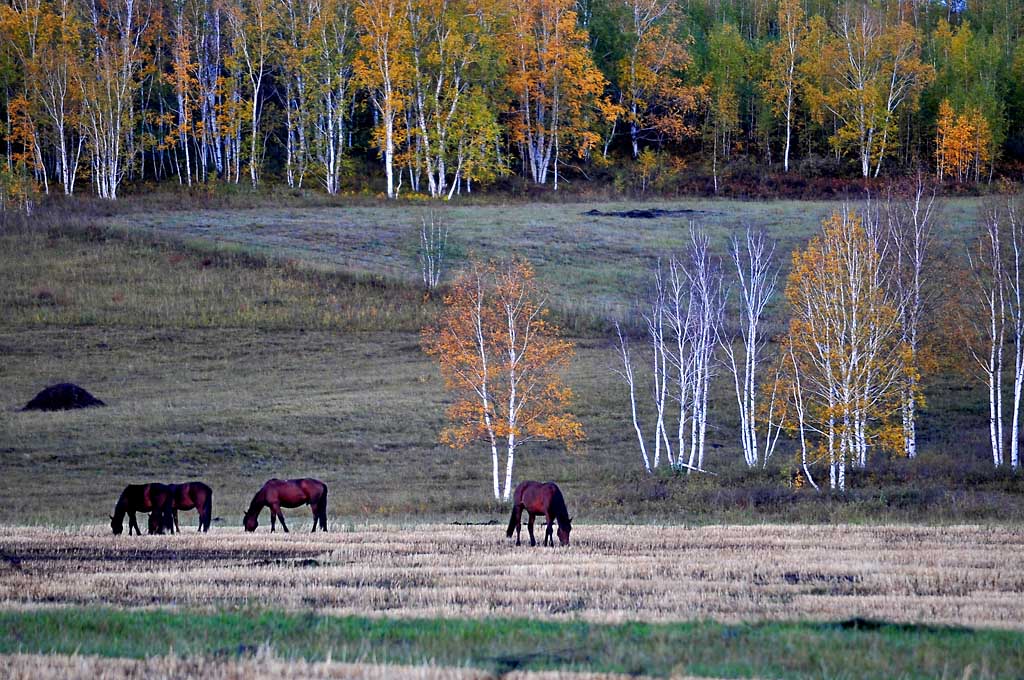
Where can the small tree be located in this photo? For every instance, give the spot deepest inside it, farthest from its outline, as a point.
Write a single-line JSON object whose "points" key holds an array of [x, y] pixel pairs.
{"points": [[433, 249], [503, 362], [848, 358]]}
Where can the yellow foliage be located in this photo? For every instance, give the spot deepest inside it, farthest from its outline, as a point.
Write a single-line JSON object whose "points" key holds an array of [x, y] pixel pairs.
{"points": [[962, 142], [502, 359]]}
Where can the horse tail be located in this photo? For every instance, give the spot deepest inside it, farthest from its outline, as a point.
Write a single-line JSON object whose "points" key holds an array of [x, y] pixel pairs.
{"points": [[206, 513], [513, 520], [323, 509]]}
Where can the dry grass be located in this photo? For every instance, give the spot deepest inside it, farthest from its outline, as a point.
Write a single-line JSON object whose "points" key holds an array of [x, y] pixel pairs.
{"points": [[45, 667], [937, 575]]}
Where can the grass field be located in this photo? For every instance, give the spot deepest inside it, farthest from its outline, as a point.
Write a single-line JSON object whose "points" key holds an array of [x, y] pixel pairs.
{"points": [[464, 596], [222, 363], [595, 265]]}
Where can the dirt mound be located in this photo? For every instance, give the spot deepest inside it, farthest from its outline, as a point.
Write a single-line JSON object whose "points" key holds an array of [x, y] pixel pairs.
{"points": [[61, 398], [648, 213]]}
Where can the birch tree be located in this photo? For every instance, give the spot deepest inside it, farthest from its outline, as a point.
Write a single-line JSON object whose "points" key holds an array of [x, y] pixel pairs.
{"points": [[987, 265], [756, 277], [110, 83], [910, 231], [334, 47], [683, 326], [503, 363], [845, 341], [252, 28], [783, 74], [557, 88], [382, 67], [865, 73], [654, 98], [996, 261]]}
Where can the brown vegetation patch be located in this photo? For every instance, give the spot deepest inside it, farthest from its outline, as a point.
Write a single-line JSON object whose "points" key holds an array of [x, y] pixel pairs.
{"points": [[935, 575]]}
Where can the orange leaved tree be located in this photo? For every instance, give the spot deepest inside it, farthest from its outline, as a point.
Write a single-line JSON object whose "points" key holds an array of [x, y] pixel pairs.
{"points": [[848, 361], [503, 362]]}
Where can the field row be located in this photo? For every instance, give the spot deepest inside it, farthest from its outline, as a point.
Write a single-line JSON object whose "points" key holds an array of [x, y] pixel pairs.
{"points": [[935, 575], [46, 666]]}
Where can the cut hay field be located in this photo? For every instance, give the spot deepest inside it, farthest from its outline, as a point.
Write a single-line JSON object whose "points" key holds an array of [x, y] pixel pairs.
{"points": [[725, 601], [966, 576]]}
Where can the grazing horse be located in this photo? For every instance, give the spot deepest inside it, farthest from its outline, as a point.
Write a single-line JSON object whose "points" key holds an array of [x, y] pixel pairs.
{"points": [[540, 499], [189, 496], [277, 494], [152, 498]]}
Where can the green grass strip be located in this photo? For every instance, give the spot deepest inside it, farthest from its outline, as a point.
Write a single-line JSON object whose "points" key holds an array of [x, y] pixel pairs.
{"points": [[856, 649]]}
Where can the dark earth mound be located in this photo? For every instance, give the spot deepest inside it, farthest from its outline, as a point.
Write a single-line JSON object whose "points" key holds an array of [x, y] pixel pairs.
{"points": [[647, 213], [61, 398]]}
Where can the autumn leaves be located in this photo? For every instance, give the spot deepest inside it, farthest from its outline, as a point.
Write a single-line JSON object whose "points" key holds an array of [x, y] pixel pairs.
{"points": [[503, 362]]}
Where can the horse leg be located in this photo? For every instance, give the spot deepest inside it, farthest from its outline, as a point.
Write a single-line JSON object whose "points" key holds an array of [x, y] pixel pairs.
{"points": [[547, 534], [176, 527], [316, 516], [280, 516], [273, 519], [133, 523], [533, 541], [519, 521]]}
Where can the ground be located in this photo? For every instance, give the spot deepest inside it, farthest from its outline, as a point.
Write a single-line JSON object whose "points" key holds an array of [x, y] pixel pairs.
{"points": [[466, 596], [234, 345]]}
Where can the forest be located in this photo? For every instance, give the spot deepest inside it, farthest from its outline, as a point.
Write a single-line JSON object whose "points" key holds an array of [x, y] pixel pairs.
{"points": [[444, 97]]}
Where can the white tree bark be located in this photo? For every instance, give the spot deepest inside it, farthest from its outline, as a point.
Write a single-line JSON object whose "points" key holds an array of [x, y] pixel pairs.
{"points": [[757, 277]]}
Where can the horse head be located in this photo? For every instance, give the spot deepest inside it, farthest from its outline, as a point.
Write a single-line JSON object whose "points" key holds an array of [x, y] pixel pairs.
{"points": [[116, 525], [250, 522], [563, 531]]}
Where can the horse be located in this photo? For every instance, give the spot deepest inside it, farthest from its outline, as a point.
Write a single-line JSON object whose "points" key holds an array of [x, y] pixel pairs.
{"points": [[540, 499], [189, 496], [153, 498], [277, 494]]}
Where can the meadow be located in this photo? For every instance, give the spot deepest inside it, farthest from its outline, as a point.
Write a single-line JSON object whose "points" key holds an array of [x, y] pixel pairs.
{"points": [[219, 360]]}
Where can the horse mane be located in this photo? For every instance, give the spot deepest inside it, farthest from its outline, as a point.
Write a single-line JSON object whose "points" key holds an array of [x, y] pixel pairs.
{"points": [[558, 508], [257, 503], [119, 508]]}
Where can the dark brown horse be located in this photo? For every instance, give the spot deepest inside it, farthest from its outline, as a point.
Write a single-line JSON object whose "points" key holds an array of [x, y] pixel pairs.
{"points": [[277, 494], [540, 499], [152, 498], [189, 496]]}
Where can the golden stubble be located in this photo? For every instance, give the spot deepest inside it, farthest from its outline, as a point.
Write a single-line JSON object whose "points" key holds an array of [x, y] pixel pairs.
{"points": [[963, 575]]}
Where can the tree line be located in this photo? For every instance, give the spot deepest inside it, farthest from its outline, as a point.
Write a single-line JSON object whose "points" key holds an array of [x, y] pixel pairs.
{"points": [[445, 95]]}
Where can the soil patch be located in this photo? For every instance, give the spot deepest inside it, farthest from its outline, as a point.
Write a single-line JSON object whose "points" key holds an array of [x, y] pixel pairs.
{"points": [[648, 213], [62, 397]]}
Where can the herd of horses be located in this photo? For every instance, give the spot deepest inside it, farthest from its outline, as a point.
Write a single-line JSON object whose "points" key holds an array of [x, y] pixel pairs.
{"points": [[163, 501]]}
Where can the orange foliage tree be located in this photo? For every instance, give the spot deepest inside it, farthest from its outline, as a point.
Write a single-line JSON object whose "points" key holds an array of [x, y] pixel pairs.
{"points": [[962, 143], [654, 96], [557, 88], [503, 362]]}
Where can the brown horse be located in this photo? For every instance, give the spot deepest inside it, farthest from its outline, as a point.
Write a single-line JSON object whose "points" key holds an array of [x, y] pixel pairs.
{"points": [[277, 494], [189, 496], [152, 498], [540, 499]]}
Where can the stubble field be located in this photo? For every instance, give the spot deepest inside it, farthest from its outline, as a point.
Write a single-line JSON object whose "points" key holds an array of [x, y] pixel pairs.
{"points": [[915, 575], [791, 601]]}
